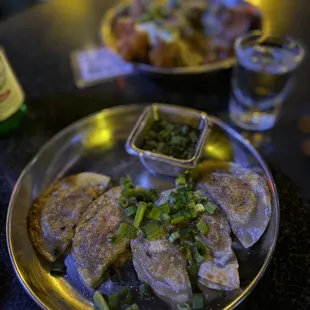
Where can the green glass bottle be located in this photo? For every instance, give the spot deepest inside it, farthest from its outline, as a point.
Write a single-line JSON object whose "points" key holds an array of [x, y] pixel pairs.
{"points": [[12, 97]]}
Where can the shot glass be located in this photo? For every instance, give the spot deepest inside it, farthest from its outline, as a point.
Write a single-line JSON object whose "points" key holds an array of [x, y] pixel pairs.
{"points": [[262, 78]]}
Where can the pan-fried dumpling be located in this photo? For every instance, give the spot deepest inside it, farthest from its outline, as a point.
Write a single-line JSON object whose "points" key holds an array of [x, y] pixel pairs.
{"points": [[55, 213], [92, 252], [221, 272], [242, 194], [159, 264]]}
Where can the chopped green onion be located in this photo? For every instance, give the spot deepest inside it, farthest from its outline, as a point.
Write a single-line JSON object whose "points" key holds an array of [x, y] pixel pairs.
{"points": [[139, 214], [113, 301], [133, 307], [199, 207], [123, 202], [198, 302], [193, 272], [177, 218], [172, 197], [129, 192], [100, 302], [130, 211], [111, 237], [201, 252], [153, 231], [210, 208], [58, 269], [193, 136], [126, 181], [180, 180], [127, 230], [184, 306], [165, 208], [174, 236], [186, 253], [191, 205], [125, 296], [185, 231], [203, 227], [144, 290], [176, 140], [166, 217], [154, 214]]}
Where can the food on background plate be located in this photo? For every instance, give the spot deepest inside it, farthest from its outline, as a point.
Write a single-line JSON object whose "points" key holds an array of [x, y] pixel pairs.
{"points": [[180, 239], [55, 214], [179, 33]]}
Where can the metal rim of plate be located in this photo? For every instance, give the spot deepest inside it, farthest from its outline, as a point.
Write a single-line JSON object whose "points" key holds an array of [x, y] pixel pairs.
{"points": [[108, 39], [137, 109]]}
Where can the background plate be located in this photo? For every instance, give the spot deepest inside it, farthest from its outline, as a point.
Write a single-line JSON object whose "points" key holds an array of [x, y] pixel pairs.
{"points": [[96, 143], [109, 41]]}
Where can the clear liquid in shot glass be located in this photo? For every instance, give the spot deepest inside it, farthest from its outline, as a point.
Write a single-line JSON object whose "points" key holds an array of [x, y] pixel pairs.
{"points": [[261, 82]]}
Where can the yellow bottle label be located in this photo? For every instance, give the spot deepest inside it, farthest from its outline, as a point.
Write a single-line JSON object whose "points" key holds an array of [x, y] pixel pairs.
{"points": [[11, 93]]}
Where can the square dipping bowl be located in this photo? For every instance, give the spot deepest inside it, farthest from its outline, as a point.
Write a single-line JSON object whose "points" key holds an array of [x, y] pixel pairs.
{"points": [[158, 163]]}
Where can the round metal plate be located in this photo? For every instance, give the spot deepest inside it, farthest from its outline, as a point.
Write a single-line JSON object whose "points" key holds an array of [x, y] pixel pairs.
{"points": [[109, 41], [96, 143]]}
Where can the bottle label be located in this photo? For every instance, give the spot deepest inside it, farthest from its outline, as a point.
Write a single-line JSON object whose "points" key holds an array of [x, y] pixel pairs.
{"points": [[11, 93]]}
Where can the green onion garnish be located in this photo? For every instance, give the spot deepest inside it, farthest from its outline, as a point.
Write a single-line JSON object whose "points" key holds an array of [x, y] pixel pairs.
{"points": [[193, 272], [100, 302], [125, 296], [133, 307], [210, 208], [166, 217], [198, 302], [130, 211], [139, 214], [177, 218], [199, 207], [58, 269], [153, 231], [201, 252], [127, 230], [203, 227], [174, 236], [186, 253], [113, 301], [123, 202], [126, 181], [154, 214], [144, 290], [180, 180], [111, 237], [165, 208], [184, 306]]}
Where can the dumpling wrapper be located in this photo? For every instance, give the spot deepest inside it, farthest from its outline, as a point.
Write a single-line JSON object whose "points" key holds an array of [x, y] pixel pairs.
{"points": [[242, 194], [92, 252], [221, 272], [159, 264], [56, 212]]}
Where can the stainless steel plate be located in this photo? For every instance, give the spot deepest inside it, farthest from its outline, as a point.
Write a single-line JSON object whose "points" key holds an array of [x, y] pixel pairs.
{"points": [[109, 41], [96, 143]]}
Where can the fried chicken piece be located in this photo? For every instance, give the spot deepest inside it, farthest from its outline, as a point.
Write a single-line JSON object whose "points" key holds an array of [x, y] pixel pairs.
{"points": [[123, 26], [164, 54], [134, 47]]}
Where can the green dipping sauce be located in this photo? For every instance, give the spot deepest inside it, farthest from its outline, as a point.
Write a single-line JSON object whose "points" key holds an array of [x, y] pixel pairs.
{"points": [[171, 139]]}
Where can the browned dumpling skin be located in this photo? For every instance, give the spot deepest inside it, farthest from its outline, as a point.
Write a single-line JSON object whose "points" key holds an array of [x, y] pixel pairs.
{"points": [[92, 252], [159, 264], [220, 272], [56, 212], [242, 194]]}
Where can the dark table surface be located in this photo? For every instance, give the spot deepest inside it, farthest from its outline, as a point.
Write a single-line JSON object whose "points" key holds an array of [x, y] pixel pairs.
{"points": [[38, 43]]}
